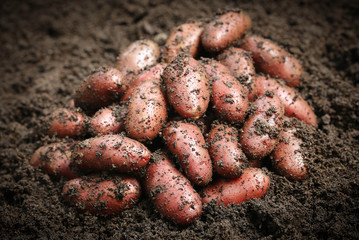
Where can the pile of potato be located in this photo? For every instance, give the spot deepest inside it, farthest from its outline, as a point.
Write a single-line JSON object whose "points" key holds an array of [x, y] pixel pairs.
{"points": [[168, 121]]}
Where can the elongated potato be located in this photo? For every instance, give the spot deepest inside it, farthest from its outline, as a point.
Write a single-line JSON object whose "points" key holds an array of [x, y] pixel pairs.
{"points": [[171, 192], [295, 105], [272, 59], [228, 158], [187, 143], [111, 152], [185, 38], [147, 112], [187, 86], [229, 98], [253, 183], [65, 122], [55, 160], [105, 121], [224, 29], [102, 196]]}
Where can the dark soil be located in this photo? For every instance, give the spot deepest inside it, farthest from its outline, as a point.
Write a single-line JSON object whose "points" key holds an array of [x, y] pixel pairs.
{"points": [[48, 47]]}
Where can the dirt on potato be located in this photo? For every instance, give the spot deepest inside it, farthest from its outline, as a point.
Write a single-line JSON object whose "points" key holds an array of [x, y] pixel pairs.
{"points": [[48, 47]]}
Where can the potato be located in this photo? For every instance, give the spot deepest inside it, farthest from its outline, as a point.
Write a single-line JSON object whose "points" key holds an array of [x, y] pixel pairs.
{"points": [[228, 158], [295, 105], [105, 121], [100, 89], [229, 98], [224, 29], [260, 133], [253, 183], [153, 73], [55, 160], [171, 192], [241, 66], [136, 57], [271, 59], [184, 38], [288, 159], [65, 122], [111, 152], [147, 112], [187, 143], [102, 196], [187, 86]]}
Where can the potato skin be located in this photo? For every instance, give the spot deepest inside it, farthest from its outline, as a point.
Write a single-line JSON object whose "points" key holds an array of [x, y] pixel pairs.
{"points": [[65, 122], [111, 152], [185, 38], [288, 159], [186, 142], [147, 112], [295, 105], [171, 192], [100, 89], [253, 183], [55, 160], [271, 59], [224, 29], [187, 86], [229, 98], [109, 196], [228, 158], [105, 122]]}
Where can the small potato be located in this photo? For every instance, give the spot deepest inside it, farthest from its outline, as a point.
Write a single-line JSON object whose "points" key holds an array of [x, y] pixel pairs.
{"points": [[294, 104], [105, 121], [147, 112], [228, 158], [111, 152], [224, 29], [187, 86], [229, 98], [151, 74], [241, 66], [271, 59], [102, 196], [171, 192], [187, 143], [288, 159], [55, 160], [184, 38], [253, 183], [261, 131], [100, 89], [136, 57], [65, 122]]}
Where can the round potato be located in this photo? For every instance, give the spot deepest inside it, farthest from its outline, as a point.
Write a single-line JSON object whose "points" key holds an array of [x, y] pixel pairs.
{"points": [[105, 122], [65, 122]]}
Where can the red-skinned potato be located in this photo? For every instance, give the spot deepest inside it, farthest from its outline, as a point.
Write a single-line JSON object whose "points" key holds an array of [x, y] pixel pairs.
{"points": [[111, 152], [295, 105], [187, 86], [147, 112], [55, 160], [253, 183], [153, 73], [106, 121], [102, 196], [271, 59], [288, 159], [186, 142], [184, 38], [228, 158], [260, 133], [65, 122], [171, 192], [229, 98], [136, 57], [224, 29]]}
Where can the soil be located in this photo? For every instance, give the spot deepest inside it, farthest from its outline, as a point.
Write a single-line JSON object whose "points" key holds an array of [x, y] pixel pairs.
{"points": [[48, 47]]}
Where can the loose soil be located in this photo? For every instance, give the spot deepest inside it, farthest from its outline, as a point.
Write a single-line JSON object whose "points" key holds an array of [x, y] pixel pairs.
{"points": [[48, 47]]}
